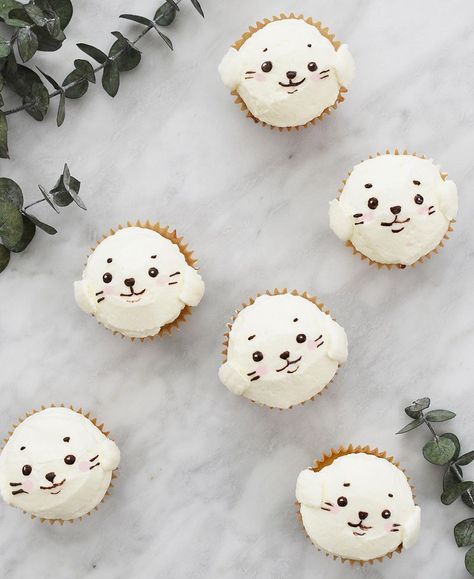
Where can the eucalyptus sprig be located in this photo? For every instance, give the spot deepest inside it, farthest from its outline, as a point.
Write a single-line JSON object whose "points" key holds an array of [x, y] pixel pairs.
{"points": [[18, 225], [445, 450], [38, 19]]}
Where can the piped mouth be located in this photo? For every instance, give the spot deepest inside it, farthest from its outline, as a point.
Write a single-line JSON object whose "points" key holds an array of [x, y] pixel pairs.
{"points": [[131, 294], [395, 222], [54, 486], [292, 84], [290, 363], [359, 526]]}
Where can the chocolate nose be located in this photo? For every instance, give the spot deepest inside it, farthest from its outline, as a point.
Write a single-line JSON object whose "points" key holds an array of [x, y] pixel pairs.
{"points": [[291, 74], [396, 209], [50, 476], [363, 515], [285, 355], [129, 282]]}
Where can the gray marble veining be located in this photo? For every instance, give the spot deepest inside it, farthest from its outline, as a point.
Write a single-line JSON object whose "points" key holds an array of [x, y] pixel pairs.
{"points": [[206, 485]]}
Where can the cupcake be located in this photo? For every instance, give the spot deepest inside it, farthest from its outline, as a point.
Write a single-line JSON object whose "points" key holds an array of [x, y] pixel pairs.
{"points": [[357, 504], [288, 71], [395, 209], [140, 281], [57, 464], [282, 349]]}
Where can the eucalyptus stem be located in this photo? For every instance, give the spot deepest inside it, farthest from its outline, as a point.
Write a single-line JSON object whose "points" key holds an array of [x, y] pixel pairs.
{"points": [[34, 203], [98, 68]]}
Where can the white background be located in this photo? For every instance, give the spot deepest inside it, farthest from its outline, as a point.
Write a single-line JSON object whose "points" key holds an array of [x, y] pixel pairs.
{"points": [[206, 485]]}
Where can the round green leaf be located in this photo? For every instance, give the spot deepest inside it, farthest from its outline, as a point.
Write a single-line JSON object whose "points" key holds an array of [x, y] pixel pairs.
{"points": [[464, 533], [455, 439], [466, 458], [85, 68], [439, 415], [78, 90], [165, 15], [411, 426], [128, 59], [10, 191], [27, 43], [63, 8], [47, 42], [439, 452], [469, 561], [11, 224], [4, 257], [36, 104], [43, 226], [450, 478], [29, 230], [6, 6], [454, 492], [22, 79], [5, 48], [468, 499], [111, 78]]}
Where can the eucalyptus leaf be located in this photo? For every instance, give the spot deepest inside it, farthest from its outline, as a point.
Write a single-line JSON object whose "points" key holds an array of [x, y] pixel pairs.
{"points": [[16, 23], [128, 57], [139, 19], [439, 452], [85, 68], [165, 15], [11, 192], [420, 404], [439, 415], [164, 37], [27, 43], [465, 458], [412, 413], [37, 104], [48, 197], [63, 9], [61, 109], [43, 226], [50, 79], [36, 14], [468, 499], [6, 6], [3, 137], [4, 257], [63, 197], [198, 7], [173, 4], [29, 230], [411, 426], [21, 79], [93, 52], [111, 78], [450, 478], [47, 42], [79, 89], [455, 439], [464, 533], [469, 561], [454, 492], [11, 224], [5, 47], [53, 26]]}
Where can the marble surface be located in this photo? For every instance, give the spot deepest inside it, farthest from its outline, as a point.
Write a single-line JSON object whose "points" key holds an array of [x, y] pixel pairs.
{"points": [[206, 484]]}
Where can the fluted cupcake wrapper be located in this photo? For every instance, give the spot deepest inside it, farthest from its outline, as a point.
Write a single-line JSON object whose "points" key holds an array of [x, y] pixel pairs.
{"points": [[95, 423], [171, 235], [258, 26], [251, 301], [390, 266], [327, 460]]}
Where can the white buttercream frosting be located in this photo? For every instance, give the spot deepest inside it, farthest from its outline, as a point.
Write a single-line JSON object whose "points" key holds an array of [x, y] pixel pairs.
{"points": [[394, 209], [360, 507], [287, 72], [57, 465], [136, 281], [282, 351]]}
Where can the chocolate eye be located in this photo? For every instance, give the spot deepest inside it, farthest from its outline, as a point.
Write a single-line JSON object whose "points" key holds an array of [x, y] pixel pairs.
{"points": [[368, 185], [342, 501], [70, 459], [386, 514], [416, 183], [257, 356], [373, 203], [152, 272], [26, 470], [267, 66], [107, 277], [418, 199], [312, 67], [300, 338]]}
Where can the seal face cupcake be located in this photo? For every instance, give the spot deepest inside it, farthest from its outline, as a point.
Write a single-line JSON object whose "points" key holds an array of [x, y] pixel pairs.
{"points": [[358, 507], [57, 465], [288, 71], [137, 282], [282, 350], [395, 209]]}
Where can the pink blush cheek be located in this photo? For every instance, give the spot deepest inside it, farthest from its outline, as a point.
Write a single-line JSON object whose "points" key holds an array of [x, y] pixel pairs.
{"points": [[262, 370], [161, 281], [312, 346], [423, 210], [260, 77], [27, 486], [335, 510], [388, 527], [315, 77], [108, 291], [83, 466], [368, 217]]}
